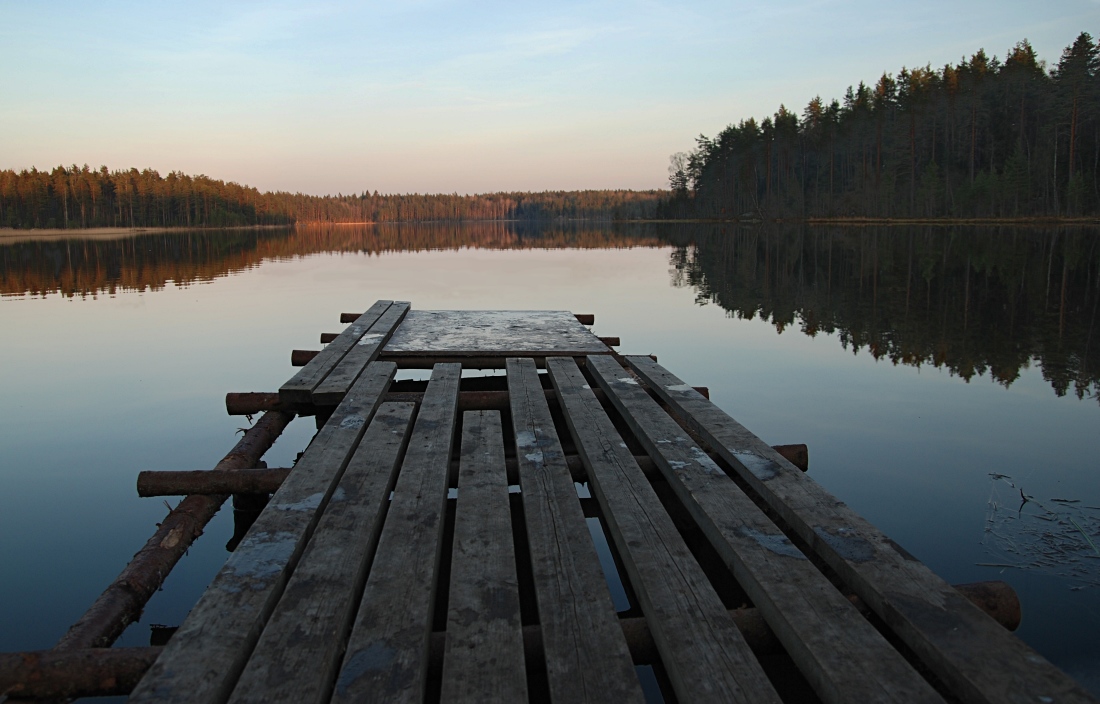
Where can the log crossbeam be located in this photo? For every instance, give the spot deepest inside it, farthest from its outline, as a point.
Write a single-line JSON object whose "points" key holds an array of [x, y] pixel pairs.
{"points": [[95, 672]]}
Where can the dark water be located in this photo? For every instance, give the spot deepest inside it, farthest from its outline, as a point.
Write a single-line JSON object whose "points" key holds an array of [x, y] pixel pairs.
{"points": [[934, 373]]}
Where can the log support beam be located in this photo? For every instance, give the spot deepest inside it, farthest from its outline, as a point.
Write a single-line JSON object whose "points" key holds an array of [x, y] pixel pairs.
{"points": [[123, 601], [267, 481], [91, 672]]}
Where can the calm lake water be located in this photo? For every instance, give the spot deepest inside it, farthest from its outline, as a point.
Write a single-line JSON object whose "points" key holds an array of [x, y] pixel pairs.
{"points": [[933, 372]]}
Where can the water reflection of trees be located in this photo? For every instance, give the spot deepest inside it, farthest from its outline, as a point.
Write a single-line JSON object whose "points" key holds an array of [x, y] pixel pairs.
{"points": [[975, 301], [88, 267]]}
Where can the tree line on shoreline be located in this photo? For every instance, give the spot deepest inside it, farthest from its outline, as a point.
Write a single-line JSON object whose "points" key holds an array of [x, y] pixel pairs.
{"points": [[80, 197], [984, 138]]}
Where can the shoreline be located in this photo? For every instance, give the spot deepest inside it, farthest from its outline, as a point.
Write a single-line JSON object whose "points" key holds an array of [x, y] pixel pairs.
{"points": [[8, 234], [860, 221]]}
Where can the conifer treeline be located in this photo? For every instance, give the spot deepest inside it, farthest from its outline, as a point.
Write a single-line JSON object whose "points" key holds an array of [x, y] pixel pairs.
{"points": [[983, 138], [79, 197]]}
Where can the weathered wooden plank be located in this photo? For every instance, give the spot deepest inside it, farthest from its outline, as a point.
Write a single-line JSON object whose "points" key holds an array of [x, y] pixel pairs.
{"points": [[977, 659], [587, 659], [484, 659], [207, 653], [498, 333], [299, 389], [838, 651], [365, 350], [387, 654], [299, 650], [705, 655]]}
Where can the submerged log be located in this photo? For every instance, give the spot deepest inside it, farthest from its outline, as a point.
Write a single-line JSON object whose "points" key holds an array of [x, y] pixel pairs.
{"points": [[114, 671], [122, 602]]}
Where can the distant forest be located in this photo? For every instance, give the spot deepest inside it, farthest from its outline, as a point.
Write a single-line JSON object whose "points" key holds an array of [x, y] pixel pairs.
{"points": [[985, 138], [80, 197]]}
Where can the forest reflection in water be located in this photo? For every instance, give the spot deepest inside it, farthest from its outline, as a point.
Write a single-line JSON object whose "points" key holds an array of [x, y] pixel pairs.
{"points": [[973, 300]]}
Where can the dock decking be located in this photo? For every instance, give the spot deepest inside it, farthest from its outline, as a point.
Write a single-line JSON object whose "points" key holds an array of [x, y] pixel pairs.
{"points": [[443, 539]]}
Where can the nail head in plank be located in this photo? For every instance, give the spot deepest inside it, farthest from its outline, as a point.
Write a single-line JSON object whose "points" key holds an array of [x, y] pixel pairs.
{"points": [[705, 655], [587, 658], [977, 659], [484, 658], [207, 653], [299, 388], [299, 651], [838, 651], [387, 653], [365, 350]]}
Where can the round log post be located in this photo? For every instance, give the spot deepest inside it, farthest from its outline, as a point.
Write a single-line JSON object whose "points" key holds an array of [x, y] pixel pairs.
{"points": [[300, 358], [998, 599], [205, 481], [583, 318], [246, 404], [88, 672], [122, 602], [798, 455]]}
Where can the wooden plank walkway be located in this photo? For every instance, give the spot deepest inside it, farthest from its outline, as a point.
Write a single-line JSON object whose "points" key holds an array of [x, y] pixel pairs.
{"points": [[484, 656], [838, 650], [587, 658], [978, 660], [395, 562]]}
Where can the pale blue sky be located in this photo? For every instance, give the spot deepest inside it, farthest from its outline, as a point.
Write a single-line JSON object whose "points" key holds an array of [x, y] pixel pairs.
{"points": [[443, 96]]}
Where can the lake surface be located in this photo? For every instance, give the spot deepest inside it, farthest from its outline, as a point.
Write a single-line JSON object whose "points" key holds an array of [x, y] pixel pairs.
{"points": [[935, 373]]}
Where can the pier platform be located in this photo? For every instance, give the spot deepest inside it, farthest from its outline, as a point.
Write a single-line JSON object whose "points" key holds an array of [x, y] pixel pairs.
{"points": [[498, 506]]}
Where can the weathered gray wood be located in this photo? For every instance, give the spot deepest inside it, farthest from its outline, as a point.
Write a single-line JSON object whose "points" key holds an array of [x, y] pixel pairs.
{"points": [[587, 658], [299, 388], [207, 653], [365, 350], [838, 651], [387, 654], [705, 655], [497, 333], [299, 650], [484, 659], [977, 659]]}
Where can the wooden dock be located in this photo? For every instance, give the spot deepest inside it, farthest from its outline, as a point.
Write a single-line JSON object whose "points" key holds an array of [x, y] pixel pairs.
{"points": [[454, 538]]}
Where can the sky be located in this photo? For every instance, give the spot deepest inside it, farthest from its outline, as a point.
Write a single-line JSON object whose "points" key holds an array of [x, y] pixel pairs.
{"points": [[436, 96]]}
